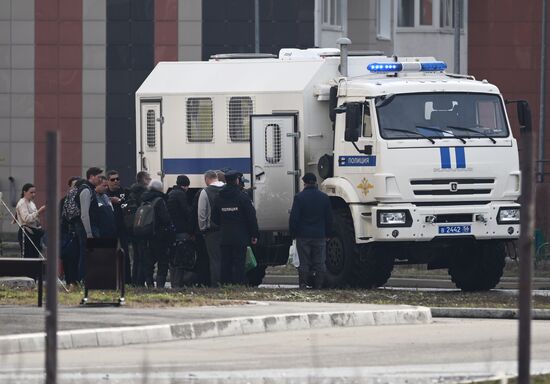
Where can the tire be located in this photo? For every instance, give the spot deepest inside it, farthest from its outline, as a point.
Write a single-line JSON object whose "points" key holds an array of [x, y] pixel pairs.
{"points": [[352, 265], [478, 266], [255, 276], [373, 267], [341, 251]]}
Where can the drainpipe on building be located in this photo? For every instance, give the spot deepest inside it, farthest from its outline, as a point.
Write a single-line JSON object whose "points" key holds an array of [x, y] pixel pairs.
{"points": [[257, 26], [543, 60], [456, 19]]}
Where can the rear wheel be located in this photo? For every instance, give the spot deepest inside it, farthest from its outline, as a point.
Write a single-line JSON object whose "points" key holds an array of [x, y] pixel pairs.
{"points": [[256, 275], [478, 266]]}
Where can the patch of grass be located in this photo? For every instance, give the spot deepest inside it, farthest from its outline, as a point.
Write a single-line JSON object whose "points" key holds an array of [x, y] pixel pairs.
{"points": [[143, 298]]}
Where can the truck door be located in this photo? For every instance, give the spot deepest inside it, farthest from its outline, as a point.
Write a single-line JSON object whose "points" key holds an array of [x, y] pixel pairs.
{"points": [[275, 176], [151, 138]]}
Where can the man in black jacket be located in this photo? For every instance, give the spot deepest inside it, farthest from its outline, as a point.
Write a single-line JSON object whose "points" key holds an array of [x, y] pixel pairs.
{"points": [[180, 213], [311, 225], [132, 202], [234, 213], [156, 247]]}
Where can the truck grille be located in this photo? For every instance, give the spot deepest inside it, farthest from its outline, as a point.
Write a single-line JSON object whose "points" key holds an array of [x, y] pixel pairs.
{"points": [[449, 187]]}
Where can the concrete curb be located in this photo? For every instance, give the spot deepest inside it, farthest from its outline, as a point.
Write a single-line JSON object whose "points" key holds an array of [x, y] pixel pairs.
{"points": [[112, 337], [487, 313]]}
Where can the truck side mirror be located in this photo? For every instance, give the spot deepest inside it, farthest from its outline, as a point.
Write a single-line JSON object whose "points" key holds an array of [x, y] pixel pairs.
{"points": [[524, 114], [354, 121]]}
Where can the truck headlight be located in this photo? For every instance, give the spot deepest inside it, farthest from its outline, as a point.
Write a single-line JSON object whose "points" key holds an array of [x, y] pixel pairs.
{"points": [[508, 215], [394, 218]]}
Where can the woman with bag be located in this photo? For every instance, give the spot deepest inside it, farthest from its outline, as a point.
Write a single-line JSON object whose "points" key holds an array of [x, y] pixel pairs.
{"points": [[28, 217]]}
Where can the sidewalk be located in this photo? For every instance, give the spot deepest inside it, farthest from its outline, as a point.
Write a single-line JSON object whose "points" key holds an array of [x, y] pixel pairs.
{"points": [[22, 327]]}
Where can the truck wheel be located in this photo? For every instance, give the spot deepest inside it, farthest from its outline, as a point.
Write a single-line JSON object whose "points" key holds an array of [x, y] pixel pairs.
{"points": [[341, 251], [256, 275], [374, 266], [478, 266]]}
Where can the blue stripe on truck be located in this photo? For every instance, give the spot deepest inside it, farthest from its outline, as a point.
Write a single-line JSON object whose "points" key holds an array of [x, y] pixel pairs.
{"points": [[445, 154], [460, 157], [198, 166]]}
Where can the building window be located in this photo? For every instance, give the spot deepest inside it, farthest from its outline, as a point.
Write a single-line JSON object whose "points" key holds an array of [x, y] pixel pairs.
{"points": [[239, 110], [383, 19], [405, 16], [272, 143], [332, 12], [426, 12], [415, 13], [446, 17], [200, 121], [151, 129]]}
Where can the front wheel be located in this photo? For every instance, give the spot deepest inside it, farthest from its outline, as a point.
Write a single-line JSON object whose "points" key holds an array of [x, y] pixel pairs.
{"points": [[478, 266]]}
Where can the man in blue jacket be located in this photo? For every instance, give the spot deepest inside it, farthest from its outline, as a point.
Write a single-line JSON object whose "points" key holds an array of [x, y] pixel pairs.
{"points": [[311, 225]]}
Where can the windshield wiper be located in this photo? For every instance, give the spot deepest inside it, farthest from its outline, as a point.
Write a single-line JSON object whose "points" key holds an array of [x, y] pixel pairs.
{"points": [[442, 131], [473, 131], [413, 132]]}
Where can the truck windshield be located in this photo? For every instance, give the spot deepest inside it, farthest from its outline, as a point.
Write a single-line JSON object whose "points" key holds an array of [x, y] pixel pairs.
{"points": [[441, 115]]}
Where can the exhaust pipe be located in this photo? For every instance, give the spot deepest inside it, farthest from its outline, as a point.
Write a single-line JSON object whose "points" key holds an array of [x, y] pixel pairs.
{"points": [[343, 42]]}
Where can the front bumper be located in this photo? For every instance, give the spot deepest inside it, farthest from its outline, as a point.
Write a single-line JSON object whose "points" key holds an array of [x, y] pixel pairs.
{"points": [[430, 222]]}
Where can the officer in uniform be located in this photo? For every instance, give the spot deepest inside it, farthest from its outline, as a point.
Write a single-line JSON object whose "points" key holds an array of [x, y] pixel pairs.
{"points": [[234, 213]]}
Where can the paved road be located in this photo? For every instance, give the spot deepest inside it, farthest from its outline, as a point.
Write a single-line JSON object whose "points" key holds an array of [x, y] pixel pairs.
{"points": [[446, 351]]}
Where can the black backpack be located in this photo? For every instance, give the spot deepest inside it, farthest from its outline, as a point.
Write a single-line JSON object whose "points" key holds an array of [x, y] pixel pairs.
{"points": [[144, 219], [129, 209], [71, 206]]}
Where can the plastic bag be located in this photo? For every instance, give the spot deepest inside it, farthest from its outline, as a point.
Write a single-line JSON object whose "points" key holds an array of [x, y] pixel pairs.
{"points": [[293, 255], [250, 260]]}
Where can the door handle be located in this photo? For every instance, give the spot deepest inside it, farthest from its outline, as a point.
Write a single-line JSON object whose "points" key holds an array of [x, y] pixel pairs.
{"points": [[295, 172]]}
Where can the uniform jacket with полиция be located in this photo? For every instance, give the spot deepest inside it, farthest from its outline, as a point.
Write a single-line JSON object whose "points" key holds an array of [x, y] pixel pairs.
{"points": [[234, 213]]}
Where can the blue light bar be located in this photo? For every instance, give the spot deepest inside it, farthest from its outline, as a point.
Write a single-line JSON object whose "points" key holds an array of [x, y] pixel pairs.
{"points": [[385, 67], [434, 66], [430, 66]]}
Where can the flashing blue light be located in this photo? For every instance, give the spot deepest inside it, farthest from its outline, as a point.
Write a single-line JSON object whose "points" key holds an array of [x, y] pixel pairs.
{"points": [[385, 67], [430, 66], [434, 66]]}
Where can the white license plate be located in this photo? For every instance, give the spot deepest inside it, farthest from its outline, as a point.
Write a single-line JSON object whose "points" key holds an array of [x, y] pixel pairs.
{"points": [[451, 229]]}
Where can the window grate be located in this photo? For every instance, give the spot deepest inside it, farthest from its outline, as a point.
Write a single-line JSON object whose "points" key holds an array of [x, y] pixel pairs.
{"points": [[200, 120], [151, 129], [239, 110], [273, 146]]}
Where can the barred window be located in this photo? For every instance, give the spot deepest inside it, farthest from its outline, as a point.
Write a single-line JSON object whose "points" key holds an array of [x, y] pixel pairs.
{"points": [[151, 131], [239, 110], [272, 143], [200, 120]]}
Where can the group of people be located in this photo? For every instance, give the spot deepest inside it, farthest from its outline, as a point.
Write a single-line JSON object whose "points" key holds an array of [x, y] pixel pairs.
{"points": [[217, 223]]}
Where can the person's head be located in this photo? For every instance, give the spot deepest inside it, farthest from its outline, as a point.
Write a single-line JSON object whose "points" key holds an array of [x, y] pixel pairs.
{"points": [[221, 176], [210, 177], [156, 185], [73, 180], [143, 178], [183, 182], [28, 191], [309, 179], [101, 188], [233, 177], [113, 178], [92, 175]]}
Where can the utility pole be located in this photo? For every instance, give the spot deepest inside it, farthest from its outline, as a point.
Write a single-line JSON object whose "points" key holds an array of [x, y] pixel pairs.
{"points": [[52, 176], [542, 120]]}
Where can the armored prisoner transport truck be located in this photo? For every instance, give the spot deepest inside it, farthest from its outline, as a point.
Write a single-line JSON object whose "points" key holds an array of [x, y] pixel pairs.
{"points": [[421, 166]]}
